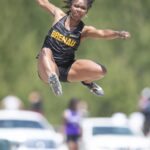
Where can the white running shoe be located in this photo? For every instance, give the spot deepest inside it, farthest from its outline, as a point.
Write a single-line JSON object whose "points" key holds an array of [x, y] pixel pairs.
{"points": [[55, 84], [94, 88]]}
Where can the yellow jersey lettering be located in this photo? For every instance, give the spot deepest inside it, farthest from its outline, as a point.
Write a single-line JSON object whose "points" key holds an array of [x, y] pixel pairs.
{"points": [[52, 34], [60, 37], [73, 43], [68, 41], [64, 39], [57, 35]]}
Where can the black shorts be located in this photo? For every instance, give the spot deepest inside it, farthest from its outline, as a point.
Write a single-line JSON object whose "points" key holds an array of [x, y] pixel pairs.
{"points": [[73, 138], [63, 70]]}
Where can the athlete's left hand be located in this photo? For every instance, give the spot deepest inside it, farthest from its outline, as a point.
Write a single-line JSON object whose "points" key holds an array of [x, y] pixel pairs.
{"points": [[124, 34]]}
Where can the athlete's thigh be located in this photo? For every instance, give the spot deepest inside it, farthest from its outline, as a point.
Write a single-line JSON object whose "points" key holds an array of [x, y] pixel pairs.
{"points": [[83, 69]]}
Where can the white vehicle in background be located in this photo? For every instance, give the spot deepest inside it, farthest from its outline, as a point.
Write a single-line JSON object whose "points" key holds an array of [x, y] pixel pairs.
{"points": [[27, 130], [105, 134]]}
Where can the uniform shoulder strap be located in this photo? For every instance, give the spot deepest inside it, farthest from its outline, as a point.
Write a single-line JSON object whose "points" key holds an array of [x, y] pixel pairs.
{"points": [[61, 20], [81, 25]]}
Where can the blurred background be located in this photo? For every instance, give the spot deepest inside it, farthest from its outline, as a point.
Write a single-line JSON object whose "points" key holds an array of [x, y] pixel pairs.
{"points": [[23, 27], [126, 102]]}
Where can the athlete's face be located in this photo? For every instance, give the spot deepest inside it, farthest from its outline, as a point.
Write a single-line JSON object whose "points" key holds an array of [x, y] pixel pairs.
{"points": [[78, 9]]}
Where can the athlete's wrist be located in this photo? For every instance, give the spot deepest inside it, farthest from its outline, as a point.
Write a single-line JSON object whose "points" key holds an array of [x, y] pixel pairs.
{"points": [[121, 34]]}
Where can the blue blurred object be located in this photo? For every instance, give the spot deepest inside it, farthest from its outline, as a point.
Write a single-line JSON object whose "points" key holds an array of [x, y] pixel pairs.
{"points": [[5, 144]]}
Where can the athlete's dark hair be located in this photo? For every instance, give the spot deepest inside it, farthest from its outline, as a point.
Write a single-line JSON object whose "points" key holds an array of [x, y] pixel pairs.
{"points": [[69, 3]]}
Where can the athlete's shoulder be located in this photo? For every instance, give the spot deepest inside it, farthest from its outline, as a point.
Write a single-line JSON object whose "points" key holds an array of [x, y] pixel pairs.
{"points": [[59, 12], [58, 17], [87, 30]]}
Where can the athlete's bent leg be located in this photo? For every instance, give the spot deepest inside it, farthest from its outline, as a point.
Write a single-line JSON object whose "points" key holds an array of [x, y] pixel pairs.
{"points": [[87, 71], [48, 70]]}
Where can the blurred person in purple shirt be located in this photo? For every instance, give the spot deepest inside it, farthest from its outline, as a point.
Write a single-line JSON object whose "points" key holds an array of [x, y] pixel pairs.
{"points": [[144, 107], [72, 119]]}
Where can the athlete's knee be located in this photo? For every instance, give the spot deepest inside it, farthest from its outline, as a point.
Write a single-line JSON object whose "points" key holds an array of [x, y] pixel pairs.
{"points": [[103, 70], [100, 71], [45, 54], [45, 51]]}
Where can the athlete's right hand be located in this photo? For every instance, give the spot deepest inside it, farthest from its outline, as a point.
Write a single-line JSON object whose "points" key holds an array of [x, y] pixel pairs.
{"points": [[124, 35]]}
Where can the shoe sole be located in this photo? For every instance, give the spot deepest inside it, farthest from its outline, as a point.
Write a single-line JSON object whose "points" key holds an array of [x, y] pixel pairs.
{"points": [[97, 93], [55, 85]]}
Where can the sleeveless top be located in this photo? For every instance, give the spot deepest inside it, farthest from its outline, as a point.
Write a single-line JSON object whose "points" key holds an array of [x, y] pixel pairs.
{"points": [[63, 42], [72, 126]]}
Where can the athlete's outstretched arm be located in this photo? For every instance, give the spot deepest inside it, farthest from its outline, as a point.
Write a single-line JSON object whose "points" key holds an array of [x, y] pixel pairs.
{"points": [[48, 6], [90, 31]]}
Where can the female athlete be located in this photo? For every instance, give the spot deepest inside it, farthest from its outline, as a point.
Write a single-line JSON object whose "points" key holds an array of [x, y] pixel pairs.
{"points": [[56, 60]]}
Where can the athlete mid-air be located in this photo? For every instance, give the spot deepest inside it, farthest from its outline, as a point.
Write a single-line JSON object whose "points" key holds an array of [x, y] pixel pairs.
{"points": [[56, 60]]}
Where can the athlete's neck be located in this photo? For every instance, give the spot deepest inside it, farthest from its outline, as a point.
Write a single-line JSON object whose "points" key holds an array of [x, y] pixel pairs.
{"points": [[71, 23]]}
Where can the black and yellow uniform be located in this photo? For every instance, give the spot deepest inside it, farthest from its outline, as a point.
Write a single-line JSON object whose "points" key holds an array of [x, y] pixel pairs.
{"points": [[63, 44]]}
